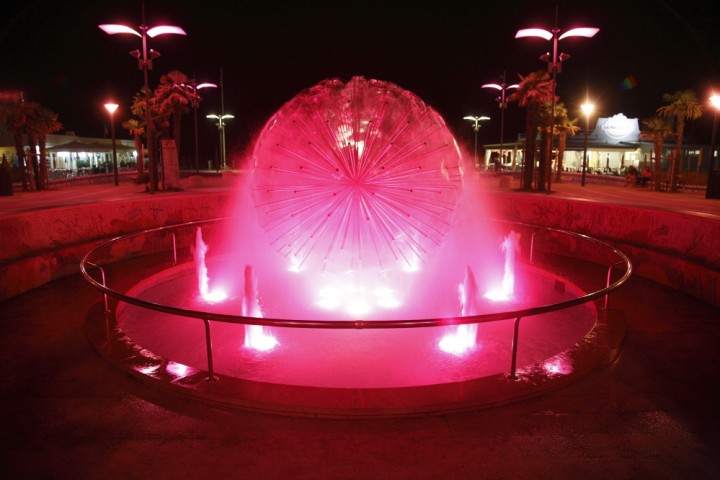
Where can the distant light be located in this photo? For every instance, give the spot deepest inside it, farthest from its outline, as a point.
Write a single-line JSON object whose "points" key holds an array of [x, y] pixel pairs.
{"points": [[580, 32], [587, 108], [206, 85], [534, 32], [163, 29], [111, 107], [715, 100], [113, 29]]}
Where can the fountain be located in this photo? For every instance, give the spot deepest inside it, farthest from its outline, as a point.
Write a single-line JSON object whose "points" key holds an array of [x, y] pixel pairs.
{"points": [[357, 211]]}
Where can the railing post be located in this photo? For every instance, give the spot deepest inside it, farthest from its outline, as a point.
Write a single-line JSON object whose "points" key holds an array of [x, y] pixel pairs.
{"points": [[208, 344], [102, 282], [532, 246], [607, 283], [513, 364], [174, 242]]}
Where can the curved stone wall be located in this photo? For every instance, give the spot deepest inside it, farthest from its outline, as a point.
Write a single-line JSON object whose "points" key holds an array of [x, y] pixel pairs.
{"points": [[41, 246], [675, 249]]}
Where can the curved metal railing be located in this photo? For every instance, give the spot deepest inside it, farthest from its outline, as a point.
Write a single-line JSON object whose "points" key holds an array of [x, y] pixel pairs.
{"points": [[89, 262]]}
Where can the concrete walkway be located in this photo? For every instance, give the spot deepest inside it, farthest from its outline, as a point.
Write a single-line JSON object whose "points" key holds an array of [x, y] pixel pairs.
{"points": [[654, 414]]}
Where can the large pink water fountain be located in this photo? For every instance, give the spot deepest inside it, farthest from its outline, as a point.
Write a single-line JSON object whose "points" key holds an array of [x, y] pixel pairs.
{"points": [[357, 271]]}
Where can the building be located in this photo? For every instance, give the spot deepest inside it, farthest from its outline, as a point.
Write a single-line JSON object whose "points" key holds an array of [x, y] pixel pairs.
{"points": [[70, 155], [612, 146]]}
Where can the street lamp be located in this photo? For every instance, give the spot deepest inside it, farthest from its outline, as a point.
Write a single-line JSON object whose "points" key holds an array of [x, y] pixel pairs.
{"points": [[221, 127], [710, 189], [502, 101], [555, 64], [194, 87], [145, 64], [111, 107], [587, 109], [476, 126]]}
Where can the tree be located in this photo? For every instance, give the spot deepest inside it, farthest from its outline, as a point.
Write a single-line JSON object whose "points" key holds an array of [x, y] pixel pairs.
{"points": [[43, 122], [173, 99], [656, 129], [137, 130], [534, 90], [15, 114], [683, 105], [563, 127]]}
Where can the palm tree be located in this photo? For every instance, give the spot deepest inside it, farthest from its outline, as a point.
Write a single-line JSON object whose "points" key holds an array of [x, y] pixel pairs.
{"points": [[534, 90], [683, 105], [14, 114], [563, 127], [43, 122], [656, 130], [173, 99], [137, 130]]}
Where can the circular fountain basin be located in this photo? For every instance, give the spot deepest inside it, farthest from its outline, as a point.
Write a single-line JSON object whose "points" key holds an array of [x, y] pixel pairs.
{"points": [[350, 358]]}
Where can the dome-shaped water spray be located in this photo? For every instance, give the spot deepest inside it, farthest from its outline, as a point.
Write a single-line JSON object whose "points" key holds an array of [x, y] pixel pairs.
{"points": [[356, 176]]}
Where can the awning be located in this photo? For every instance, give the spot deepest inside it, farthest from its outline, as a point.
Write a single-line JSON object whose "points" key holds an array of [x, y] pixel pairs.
{"points": [[94, 147]]}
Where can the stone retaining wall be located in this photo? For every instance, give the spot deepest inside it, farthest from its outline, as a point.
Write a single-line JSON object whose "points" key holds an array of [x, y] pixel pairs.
{"points": [[41, 246], [678, 250], [675, 249]]}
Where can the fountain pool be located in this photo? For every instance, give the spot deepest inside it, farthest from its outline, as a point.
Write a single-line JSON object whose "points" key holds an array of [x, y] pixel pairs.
{"points": [[358, 256]]}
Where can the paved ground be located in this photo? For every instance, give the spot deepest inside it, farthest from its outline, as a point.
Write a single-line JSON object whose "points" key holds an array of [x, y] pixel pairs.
{"points": [[654, 414]]}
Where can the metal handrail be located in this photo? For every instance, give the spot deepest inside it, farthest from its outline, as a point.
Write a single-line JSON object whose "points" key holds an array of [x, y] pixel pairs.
{"points": [[206, 317], [356, 324]]}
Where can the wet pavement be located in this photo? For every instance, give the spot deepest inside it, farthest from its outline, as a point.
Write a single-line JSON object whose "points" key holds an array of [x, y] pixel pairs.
{"points": [[653, 414]]}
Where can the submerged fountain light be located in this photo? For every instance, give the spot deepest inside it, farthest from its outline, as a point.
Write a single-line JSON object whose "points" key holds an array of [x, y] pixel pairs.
{"points": [[506, 290], [255, 335], [217, 295], [465, 336]]}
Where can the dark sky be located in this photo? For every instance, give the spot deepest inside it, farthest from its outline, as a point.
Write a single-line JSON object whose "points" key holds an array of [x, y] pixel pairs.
{"points": [[271, 50]]}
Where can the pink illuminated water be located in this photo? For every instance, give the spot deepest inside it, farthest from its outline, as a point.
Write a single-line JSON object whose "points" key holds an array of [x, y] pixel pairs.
{"points": [[357, 207]]}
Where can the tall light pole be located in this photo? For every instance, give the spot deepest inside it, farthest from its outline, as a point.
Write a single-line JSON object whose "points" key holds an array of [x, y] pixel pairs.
{"points": [[554, 67], [145, 64], [194, 87], [476, 126], [502, 102], [221, 127], [111, 107], [710, 189], [587, 109]]}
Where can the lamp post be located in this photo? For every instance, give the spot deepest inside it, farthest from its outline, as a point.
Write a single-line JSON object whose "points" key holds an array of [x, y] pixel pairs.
{"points": [[710, 189], [111, 107], [587, 109], [145, 64], [502, 102], [476, 126], [194, 87], [221, 127], [555, 65]]}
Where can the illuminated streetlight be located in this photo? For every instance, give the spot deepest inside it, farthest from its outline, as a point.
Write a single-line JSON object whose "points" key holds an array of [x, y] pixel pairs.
{"points": [[587, 109], [555, 64], [710, 189], [145, 64], [476, 127], [502, 101], [111, 107], [194, 86], [221, 127]]}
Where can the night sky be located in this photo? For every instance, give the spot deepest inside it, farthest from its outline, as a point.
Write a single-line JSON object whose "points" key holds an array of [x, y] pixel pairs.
{"points": [[271, 50]]}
